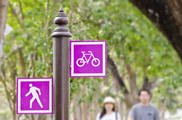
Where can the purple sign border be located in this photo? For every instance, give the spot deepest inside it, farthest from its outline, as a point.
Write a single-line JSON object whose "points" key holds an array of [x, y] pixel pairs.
{"points": [[18, 112], [89, 75]]}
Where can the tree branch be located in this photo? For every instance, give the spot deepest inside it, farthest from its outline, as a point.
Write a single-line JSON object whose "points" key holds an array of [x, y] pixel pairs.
{"points": [[132, 78], [114, 72], [3, 16], [166, 16], [13, 77], [132, 74], [14, 50], [17, 18], [21, 10], [3, 80], [22, 62], [149, 84]]}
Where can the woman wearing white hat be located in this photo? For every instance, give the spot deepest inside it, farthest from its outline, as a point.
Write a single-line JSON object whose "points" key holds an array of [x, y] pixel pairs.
{"points": [[108, 111]]}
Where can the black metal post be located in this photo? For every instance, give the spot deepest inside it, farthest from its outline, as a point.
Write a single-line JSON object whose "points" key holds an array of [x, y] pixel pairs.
{"points": [[61, 54]]}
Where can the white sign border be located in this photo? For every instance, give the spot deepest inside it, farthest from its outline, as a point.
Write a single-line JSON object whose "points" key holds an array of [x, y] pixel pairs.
{"points": [[103, 74], [19, 111]]}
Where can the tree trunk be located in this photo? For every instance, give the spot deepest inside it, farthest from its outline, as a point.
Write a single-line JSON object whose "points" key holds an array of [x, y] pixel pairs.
{"points": [[74, 107], [22, 62], [120, 109], [131, 96], [32, 117], [13, 75], [84, 110], [77, 109], [130, 99], [84, 106], [166, 16], [41, 117], [3, 16]]}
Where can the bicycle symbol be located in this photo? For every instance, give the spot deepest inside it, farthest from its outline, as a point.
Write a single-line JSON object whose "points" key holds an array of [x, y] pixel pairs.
{"points": [[81, 62]]}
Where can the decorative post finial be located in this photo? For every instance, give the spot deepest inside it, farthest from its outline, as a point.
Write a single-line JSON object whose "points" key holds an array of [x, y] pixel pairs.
{"points": [[61, 9], [61, 21]]}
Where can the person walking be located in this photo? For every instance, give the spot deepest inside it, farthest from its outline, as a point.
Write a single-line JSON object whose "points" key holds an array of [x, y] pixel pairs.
{"points": [[108, 111], [144, 110], [32, 91]]}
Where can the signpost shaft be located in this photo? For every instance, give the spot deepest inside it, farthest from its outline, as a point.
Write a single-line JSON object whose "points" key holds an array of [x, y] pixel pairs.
{"points": [[61, 54]]}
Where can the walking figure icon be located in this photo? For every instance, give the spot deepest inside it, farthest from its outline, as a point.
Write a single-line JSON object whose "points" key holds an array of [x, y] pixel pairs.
{"points": [[32, 91], [81, 61]]}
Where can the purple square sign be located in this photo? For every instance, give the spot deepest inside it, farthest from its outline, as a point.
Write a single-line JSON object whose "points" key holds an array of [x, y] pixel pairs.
{"points": [[34, 96], [88, 59]]}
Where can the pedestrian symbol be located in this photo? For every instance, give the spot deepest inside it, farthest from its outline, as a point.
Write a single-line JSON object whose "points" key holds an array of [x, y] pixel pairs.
{"points": [[34, 96]]}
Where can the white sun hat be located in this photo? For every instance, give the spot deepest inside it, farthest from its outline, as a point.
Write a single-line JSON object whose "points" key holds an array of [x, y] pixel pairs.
{"points": [[109, 100]]}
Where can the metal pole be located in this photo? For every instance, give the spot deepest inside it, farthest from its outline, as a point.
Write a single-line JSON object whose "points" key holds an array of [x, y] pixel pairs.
{"points": [[61, 54]]}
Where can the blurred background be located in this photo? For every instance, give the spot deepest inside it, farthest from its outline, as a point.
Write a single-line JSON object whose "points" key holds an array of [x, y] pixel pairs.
{"points": [[140, 53]]}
